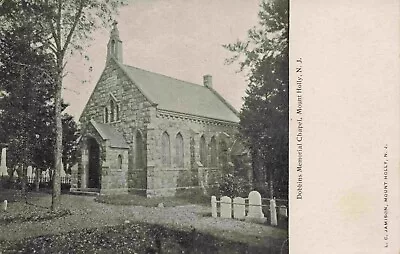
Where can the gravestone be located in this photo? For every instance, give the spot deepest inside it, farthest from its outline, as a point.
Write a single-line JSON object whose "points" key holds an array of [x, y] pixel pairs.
{"points": [[3, 163], [29, 171], [238, 208], [272, 208], [283, 211], [47, 175], [62, 173], [214, 206], [226, 207], [5, 205], [255, 209]]}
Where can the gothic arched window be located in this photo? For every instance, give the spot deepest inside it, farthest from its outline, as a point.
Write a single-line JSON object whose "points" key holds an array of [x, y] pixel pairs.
{"points": [[119, 166], [223, 154], [117, 113], [165, 150], [213, 152], [179, 151], [139, 151], [203, 151], [113, 47], [105, 114], [192, 152], [112, 110]]}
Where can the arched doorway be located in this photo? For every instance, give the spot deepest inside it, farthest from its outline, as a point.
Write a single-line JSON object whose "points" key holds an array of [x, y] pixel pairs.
{"points": [[94, 164]]}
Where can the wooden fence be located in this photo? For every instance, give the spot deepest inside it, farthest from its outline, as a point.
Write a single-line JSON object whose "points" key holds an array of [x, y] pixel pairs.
{"points": [[250, 208], [47, 179]]}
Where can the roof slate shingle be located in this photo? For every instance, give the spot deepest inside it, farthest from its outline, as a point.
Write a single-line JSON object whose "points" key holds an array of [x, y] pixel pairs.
{"points": [[107, 132], [180, 96]]}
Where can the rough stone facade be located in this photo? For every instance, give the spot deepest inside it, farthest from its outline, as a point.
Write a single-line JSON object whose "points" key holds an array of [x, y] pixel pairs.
{"points": [[136, 163], [163, 180]]}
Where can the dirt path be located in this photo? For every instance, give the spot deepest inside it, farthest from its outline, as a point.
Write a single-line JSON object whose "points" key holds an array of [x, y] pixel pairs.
{"points": [[86, 213]]}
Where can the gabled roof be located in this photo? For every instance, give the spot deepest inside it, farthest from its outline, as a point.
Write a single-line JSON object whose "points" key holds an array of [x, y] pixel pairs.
{"points": [[180, 96], [107, 132]]}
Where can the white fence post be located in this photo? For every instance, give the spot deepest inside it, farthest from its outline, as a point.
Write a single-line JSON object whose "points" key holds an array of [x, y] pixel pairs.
{"points": [[29, 171], [214, 206], [283, 211], [3, 163], [4, 205], [272, 208], [226, 207], [238, 208]]}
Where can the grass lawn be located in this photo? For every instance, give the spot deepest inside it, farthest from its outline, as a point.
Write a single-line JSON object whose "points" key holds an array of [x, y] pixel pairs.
{"points": [[11, 195], [20, 208], [133, 238], [135, 200], [95, 227], [22, 212]]}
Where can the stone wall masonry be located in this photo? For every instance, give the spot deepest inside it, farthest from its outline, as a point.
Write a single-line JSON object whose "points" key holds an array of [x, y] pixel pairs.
{"points": [[187, 176], [134, 107], [138, 114], [137, 181], [114, 177], [135, 113]]}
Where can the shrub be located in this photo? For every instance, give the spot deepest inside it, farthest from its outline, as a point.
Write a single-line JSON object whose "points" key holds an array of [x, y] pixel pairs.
{"points": [[233, 186]]}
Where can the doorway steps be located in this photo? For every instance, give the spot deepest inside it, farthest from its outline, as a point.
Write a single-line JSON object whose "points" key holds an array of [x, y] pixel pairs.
{"points": [[85, 191]]}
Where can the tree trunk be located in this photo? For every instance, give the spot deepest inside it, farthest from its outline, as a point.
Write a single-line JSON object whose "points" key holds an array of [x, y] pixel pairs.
{"points": [[257, 170], [56, 197], [271, 182], [23, 179], [37, 182]]}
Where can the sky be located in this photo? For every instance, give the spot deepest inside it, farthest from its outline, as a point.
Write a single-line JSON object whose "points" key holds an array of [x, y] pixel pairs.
{"points": [[178, 38]]}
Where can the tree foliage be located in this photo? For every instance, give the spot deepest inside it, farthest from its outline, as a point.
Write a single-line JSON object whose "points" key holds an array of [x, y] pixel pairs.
{"points": [[26, 92], [62, 26], [264, 117], [233, 186], [27, 105]]}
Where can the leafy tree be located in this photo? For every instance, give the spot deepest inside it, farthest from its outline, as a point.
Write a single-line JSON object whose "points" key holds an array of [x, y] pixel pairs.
{"points": [[233, 186], [70, 136], [26, 94], [264, 117], [64, 25], [26, 106]]}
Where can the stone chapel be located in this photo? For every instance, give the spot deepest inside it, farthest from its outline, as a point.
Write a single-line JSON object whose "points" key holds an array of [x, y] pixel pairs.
{"points": [[149, 134]]}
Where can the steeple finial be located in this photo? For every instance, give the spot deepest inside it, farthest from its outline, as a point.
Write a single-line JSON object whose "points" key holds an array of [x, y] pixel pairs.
{"points": [[114, 47], [114, 31]]}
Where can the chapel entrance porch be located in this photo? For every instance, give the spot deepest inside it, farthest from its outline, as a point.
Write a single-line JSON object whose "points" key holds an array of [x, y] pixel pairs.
{"points": [[94, 170], [87, 176]]}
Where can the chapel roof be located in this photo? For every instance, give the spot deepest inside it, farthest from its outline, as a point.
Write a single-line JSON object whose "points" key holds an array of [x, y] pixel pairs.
{"points": [[181, 96]]}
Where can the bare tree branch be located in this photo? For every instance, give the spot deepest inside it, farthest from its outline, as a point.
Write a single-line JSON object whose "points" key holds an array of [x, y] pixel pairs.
{"points": [[72, 30], [53, 31]]}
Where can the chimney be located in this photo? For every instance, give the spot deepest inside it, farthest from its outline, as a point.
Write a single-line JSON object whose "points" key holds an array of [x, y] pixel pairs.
{"points": [[207, 81]]}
